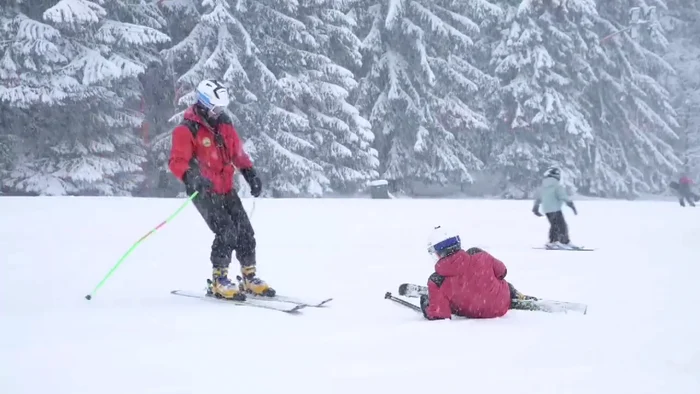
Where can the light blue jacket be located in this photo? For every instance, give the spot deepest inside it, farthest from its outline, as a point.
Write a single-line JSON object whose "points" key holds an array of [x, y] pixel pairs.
{"points": [[551, 195]]}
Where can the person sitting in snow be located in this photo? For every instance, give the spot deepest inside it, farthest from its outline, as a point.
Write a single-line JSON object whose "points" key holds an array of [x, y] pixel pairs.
{"points": [[469, 283]]}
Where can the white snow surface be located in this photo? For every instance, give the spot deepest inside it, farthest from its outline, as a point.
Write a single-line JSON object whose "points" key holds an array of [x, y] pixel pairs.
{"points": [[640, 334]]}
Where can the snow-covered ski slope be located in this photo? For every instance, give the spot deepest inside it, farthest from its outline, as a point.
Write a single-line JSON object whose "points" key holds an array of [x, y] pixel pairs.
{"points": [[641, 333]]}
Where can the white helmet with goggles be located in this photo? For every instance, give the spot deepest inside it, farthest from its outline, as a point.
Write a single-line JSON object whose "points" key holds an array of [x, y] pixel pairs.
{"points": [[443, 242], [212, 96]]}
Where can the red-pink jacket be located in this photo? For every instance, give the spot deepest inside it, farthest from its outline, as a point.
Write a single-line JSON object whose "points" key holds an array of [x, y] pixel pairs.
{"points": [[469, 284]]}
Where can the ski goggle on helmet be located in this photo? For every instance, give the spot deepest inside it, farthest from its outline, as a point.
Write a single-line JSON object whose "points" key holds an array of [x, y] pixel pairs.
{"points": [[443, 242], [213, 96]]}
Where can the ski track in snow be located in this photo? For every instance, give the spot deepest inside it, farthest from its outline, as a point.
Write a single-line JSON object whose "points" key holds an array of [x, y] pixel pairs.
{"points": [[640, 334]]}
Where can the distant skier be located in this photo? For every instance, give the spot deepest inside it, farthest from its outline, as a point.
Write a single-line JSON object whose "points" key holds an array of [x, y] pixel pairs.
{"points": [[206, 150], [552, 195], [684, 192], [467, 283]]}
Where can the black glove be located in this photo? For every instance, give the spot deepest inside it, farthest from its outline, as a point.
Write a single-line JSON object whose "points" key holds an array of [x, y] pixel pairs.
{"points": [[253, 180], [573, 208], [536, 210], [424, 303], [194, 181]]}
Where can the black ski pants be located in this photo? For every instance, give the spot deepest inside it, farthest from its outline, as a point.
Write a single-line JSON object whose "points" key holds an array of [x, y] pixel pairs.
{"points": [[227, 218], [689, 198], [558, 230], [513, 291], [686, 194]]}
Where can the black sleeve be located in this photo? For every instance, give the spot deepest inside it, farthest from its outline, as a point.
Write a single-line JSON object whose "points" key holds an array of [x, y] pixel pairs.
{"points": [[437, 279], [474, 250]]}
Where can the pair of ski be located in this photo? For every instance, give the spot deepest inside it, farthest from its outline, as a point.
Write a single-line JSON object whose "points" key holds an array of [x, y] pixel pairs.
{"points": [[281, 303], [415, 291], [567, 249]]}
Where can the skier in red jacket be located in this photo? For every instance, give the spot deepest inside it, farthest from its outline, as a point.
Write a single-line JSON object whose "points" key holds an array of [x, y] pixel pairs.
{"points": [[206, 151], [465, 283]]}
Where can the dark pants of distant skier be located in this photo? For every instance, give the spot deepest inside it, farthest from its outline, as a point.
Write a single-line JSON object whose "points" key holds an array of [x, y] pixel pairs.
{"points": [[690, 198], [558, 230], [687, 195], [227, 218]]}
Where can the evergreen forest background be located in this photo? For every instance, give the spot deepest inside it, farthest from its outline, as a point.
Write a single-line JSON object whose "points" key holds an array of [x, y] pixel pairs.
{"points": [[439, 97]]}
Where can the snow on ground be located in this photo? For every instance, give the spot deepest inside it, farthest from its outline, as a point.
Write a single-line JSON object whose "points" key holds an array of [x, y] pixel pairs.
{"points": [[640, 334]]}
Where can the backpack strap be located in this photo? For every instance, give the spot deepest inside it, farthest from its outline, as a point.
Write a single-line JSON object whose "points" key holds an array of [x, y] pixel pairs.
{"points": [[194, 128], [192, 125]]}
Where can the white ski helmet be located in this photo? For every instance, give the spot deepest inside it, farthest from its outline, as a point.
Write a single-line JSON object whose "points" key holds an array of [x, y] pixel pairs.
{"points": [[552, 172], [443, 242], [213, 96]]}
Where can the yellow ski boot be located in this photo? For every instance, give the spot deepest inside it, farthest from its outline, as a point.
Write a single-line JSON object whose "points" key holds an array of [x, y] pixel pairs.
{"points": [[220, 286], [254, 285], [515, 294]]}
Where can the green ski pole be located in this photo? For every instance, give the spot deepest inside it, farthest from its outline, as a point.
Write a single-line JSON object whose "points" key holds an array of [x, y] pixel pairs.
{"points": [[137, 243]]}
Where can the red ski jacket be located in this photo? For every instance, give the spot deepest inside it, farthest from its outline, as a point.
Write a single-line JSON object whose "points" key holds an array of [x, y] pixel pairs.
{"points": [[470, 284], [685, 180], [216, 162]]}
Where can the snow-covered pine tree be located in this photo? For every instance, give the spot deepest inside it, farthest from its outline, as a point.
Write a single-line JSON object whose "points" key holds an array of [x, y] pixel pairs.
{"points": [[8, 69], [634, 121], [311, 141], [32, 81], [419, 88], [540, 61], [216, 46], [28, 79], [11, 120], [342, 138], [138, 29], [30, 57], [150, 90], [682, 23], [82, 138]]}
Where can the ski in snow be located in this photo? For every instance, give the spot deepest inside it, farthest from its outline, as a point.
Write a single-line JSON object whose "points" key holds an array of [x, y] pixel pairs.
{"points": [[314, 303], [276, 305], [575, 249], [411, 290], [550, 306]]}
